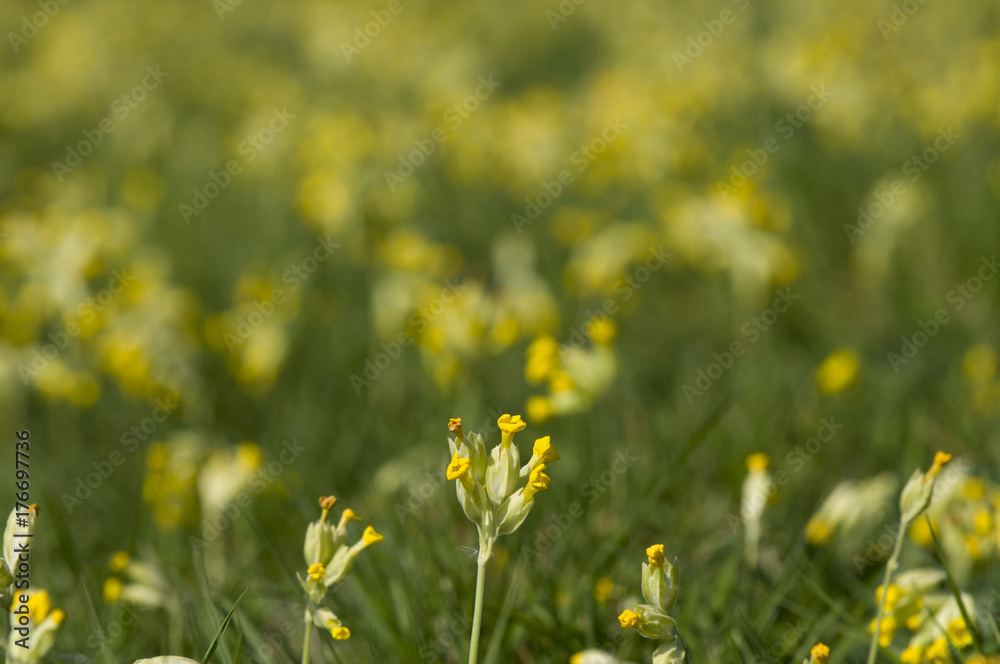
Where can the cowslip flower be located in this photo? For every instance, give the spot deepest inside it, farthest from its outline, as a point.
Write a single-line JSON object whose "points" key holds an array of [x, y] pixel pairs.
{"points": [[660, 582], [328, 561], [495, 491]]}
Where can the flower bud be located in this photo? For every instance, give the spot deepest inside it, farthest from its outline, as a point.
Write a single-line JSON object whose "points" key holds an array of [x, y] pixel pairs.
{"points": [[502, 473], [513, 512], [659, 585]]}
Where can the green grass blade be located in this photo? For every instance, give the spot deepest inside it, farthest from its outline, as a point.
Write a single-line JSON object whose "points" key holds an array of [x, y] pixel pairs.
{"points": [[222, 628]]}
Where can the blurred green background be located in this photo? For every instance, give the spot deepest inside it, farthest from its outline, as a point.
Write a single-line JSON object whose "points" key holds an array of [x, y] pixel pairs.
{"points": [[225, 226]]}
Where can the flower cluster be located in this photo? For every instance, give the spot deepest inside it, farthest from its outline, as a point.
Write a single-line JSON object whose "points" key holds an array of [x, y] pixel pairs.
{"points": [[574, 374], [328, 561], [916, 601], [660, 581], [33, 623], [495, 490]]}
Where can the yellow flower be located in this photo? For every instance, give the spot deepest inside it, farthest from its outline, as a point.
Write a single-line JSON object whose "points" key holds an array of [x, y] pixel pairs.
{"points": [[458, 467], [982, 522], [895, 594], [327, 502], [348, 515], [655, 555], [511, 424], [112, 589], [980, 363], [958, 633], [543, 357], [58, 616], [455, 426], [545, 450], [339, 632], [973, 488], [539, 409], [537, 481], [818, 532], [317, 571], [820, 654], [758, 461], [912, 655], [941, 459], [371, 537], [629, 618], [119, 561], [937, 652], [603, 588], [603, 331], [838, 371], [39, 606], [920, 532]]}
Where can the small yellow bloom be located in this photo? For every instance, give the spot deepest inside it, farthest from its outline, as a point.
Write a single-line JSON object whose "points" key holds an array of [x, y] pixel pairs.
{"points": [[937, 652], [349, 515], [603, 331], [112, 589], [838, 371], [340, 633], [371, 537], [818, 532], [982, 522], [543, 357], [539, 409], [455, 426], [655, 555], [892, 599], [560, 381], [537, 481], [920, 532], [973, 488], [327, 502], [511, 424], [941, 459], [603, 588], [317, 571], [629, 618], [39, 605], [958, 633], [820, 654], [545, 450], [119, 561], [758, 461], [58, 616], [458, 467], [912, 655]]}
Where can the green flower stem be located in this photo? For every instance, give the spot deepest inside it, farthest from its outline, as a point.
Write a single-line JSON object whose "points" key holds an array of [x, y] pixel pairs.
{"points": [[308, 640], [477, 613], [890, 567]]}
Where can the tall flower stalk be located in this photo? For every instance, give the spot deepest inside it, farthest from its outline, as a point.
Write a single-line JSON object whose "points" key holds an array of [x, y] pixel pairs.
{"points": [[495, 491]]}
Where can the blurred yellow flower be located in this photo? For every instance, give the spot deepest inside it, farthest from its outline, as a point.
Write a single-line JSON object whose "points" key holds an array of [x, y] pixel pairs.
{"points": [[838, 371]]}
